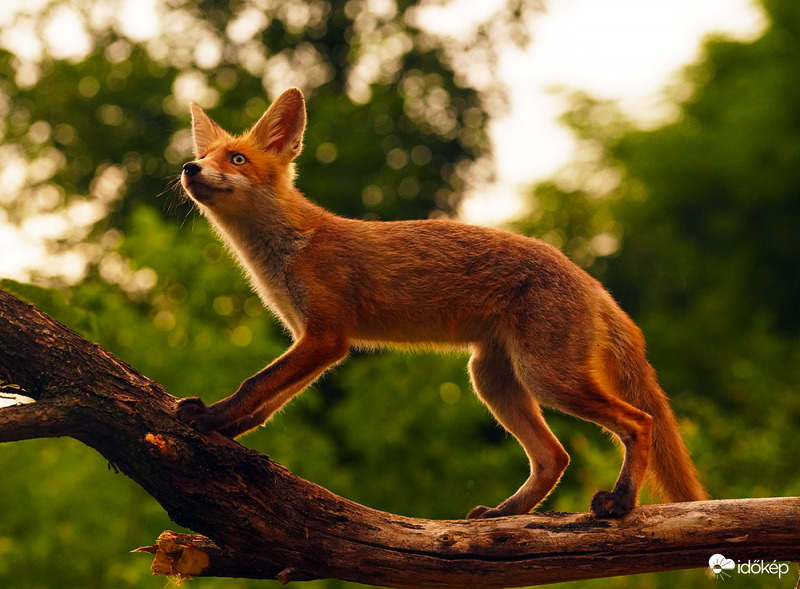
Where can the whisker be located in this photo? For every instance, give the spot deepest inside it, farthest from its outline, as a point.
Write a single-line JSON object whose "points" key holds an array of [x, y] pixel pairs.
{"points": [[175, 194], [186, 217]]}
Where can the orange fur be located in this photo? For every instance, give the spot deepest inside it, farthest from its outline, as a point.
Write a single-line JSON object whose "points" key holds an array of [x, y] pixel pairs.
{"points": [[541, 330]]}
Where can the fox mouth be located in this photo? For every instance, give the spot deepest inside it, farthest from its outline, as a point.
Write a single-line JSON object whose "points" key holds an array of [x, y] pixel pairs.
{"points": [[200, 191]]}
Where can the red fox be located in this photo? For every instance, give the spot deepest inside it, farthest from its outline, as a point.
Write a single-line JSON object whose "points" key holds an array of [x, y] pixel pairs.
{"points": [[541, 331]]}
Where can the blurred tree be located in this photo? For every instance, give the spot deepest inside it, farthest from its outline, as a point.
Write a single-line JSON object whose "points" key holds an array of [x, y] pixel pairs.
{"points": [[715, 274], [89, 142], [692, 227], [394, 131]]}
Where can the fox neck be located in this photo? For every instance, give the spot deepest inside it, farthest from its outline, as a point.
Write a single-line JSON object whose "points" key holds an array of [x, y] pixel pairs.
{"points": [[264, 239]]}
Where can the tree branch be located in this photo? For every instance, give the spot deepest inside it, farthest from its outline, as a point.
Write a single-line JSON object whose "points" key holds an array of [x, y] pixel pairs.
{"points": [[45, 419], [261, 521]]}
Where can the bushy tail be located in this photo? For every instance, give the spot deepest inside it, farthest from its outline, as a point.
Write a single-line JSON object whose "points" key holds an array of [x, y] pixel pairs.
{"points": [[670, 471]]}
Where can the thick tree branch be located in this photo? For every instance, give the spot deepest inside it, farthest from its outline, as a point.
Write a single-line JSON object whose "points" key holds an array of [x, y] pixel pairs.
{"points": [[261, 521], [45, 419]]}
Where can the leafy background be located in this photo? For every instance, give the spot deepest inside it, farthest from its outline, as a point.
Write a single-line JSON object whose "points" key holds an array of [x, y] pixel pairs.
{"points": [[692, 226]]}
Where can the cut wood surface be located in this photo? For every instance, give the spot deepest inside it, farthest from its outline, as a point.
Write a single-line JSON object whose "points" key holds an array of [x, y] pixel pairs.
{"points": [[259, 520]]}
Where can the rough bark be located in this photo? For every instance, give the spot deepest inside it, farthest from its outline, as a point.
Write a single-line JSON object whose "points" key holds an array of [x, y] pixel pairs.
{"points": [[261, 521]]}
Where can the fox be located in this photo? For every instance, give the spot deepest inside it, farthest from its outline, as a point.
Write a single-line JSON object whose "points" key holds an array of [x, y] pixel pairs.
{"points": [[540, 330]]}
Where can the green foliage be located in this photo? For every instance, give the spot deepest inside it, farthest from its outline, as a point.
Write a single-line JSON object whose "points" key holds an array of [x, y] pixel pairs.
{"points": [[705, 209], [55, 304], [68, 506], [691, 225], [102, 135], [713, 278]]}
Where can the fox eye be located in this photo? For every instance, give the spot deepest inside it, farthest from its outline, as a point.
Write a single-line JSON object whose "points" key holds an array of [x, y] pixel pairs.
{"points": [[238, 159]]}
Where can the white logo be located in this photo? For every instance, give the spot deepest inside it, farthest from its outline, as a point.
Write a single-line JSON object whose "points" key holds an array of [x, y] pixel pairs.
{"points": [[719, 564]]}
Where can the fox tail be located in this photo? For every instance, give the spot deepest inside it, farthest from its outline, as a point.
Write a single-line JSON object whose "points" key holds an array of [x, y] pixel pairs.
{"points": [[670, 472]]}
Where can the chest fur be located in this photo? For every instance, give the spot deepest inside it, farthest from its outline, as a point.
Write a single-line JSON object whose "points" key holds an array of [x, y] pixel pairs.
{"points": [[265, 257]]}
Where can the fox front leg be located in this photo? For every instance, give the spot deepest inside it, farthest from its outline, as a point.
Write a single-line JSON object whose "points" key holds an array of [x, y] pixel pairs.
{"points": [[261, 395]]}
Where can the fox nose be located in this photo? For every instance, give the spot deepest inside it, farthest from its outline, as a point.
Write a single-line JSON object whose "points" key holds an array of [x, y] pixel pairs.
{"points": [[191, 169]]}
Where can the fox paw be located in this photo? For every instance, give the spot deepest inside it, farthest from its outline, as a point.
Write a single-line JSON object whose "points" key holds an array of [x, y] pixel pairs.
{"points": [[606, 505], [192, 411], [483, 512]]}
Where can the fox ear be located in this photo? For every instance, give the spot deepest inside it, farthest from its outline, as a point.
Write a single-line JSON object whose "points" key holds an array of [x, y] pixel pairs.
{"points": [[204, 129], [280, 129]]}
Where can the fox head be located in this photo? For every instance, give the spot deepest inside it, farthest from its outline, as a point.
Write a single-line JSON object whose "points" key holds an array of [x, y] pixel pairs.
{"points": [[232, 174]]}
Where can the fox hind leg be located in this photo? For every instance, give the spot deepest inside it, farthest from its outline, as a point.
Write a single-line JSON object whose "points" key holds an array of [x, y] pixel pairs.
{"points": [[593, 402], [633, 427], [494, 380]]}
